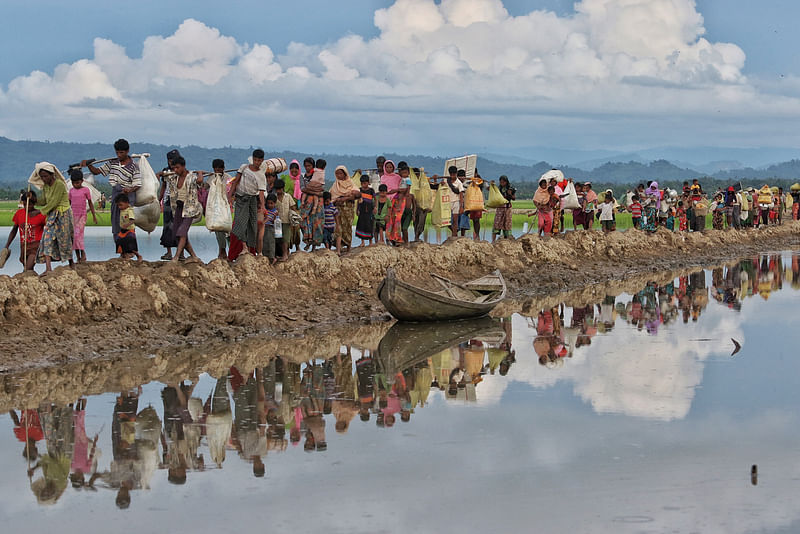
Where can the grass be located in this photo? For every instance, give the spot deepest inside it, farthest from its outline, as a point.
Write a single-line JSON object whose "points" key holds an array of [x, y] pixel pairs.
{"points": [[7, 209]]}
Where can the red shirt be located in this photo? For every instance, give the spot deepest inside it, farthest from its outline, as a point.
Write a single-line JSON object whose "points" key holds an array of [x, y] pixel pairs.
{"points": [[29, 419], [33, 232], [636, 210]]}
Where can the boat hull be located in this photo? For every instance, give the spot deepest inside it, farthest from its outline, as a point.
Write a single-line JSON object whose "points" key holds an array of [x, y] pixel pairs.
{"points": [[413, 304]]}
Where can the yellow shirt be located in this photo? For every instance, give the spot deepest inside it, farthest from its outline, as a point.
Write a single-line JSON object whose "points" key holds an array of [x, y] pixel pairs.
{"points": [[126, 219]]}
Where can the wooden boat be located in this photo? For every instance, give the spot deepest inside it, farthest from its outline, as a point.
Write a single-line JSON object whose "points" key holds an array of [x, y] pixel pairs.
{"points": [[454, 301]]}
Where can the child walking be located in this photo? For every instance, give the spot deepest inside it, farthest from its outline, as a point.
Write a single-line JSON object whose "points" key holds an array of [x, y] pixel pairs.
{"points": [[30, 223], [607, 214], [78, 197], [270, 215], [329, 226], [381, 212], [126, 239], [636, 212], [365, 227]]}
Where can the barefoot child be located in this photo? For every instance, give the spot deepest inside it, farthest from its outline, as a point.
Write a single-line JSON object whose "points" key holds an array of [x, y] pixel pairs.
{"points": [[30, 222], [270, 214], [365, 227], [126, 239], [381, 211], [329, 227], [78, 197]]}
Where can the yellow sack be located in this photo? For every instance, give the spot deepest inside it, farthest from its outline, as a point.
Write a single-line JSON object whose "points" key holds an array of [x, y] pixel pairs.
{"points": [[356, 179], [441, 213], [496, 198], [423, 198], [473, 198]]}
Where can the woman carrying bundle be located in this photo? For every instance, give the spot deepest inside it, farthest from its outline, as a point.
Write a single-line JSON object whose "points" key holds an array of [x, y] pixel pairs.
{"points": [[56, 241], [344, 195], [503, 214]]}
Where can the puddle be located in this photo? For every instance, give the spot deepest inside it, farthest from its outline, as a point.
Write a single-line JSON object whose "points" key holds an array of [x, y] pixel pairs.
{"points": [[602, 417]]}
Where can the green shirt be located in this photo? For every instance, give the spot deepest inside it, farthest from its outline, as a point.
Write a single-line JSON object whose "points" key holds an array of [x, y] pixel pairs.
{"points": [[55, 198]]}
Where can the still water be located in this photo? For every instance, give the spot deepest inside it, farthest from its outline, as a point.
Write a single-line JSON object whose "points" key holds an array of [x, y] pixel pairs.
{"points": [[100, 245], [630, 414]]}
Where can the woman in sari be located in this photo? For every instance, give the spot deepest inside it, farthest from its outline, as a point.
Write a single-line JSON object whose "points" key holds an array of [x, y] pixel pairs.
{"points": [[344, 195], [653, 198], [394, 220], [541, 200], [313, 220], [56, 243], [502, 215]]}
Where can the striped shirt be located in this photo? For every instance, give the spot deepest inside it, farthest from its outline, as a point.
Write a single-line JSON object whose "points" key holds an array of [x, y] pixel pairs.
{"points": [[636, 210], [269, 216], [127, 175], [330, 216]]}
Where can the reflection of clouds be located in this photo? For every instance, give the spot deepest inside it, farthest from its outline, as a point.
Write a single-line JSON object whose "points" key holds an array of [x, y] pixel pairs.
{"points": [[627, 371]]}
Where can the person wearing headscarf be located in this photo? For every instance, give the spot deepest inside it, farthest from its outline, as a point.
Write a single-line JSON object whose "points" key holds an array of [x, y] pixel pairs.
{"points": [[652, 205], [312, 219], [390, 178], [56, 243], [344, 194], [541, 199], [502, 215], [168, 239], [294, 174], [589, 205]]}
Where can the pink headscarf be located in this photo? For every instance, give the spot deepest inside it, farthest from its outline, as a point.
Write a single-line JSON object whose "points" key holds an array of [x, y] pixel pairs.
{"points": [[298, 188], [653, 191], [392, 180]]}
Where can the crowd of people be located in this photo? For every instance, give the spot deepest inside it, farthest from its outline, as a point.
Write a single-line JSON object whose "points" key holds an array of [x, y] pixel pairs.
{"points": [[272, 215]]}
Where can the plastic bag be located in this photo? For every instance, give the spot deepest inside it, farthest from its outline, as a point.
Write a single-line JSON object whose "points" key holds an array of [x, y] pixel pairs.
{"points": [[146, 217], [278, 228], [218, 211], [148, 192], [571, 200], [441, 212], [425, 198], [496, 198], [421, 189], [473, 198]]}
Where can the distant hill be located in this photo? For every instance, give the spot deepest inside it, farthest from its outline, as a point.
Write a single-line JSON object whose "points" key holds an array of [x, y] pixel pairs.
{"points": [[18, 157]]}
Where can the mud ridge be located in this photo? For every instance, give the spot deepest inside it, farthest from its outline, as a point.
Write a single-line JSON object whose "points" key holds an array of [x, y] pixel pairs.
{"points": [[107, 309]]}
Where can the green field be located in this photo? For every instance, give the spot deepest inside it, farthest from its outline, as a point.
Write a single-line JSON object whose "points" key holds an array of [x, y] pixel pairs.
{"points": [[7, 209]]}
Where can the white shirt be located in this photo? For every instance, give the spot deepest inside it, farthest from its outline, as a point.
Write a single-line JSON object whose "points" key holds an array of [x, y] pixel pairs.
{"points": [[607, 211], [252, 181]]}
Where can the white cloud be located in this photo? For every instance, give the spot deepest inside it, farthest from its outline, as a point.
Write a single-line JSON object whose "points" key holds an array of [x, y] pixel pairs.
{"points": [[641, 60]]}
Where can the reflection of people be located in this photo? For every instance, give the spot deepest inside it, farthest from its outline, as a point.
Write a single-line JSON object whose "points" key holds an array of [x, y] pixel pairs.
{"points": [[249, 432], [57, 426], [365, 383], [28, 430], [83, 457], [218, 420]]}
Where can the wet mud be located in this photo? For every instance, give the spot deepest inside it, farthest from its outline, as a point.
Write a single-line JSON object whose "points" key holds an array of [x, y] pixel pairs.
{"points": [[155, 316]]}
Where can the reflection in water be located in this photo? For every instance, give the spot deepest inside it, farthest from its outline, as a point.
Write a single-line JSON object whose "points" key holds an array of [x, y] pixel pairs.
{"points": [[247, 413]]}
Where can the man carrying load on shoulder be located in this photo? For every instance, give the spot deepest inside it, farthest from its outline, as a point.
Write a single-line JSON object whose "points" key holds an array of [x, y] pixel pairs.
{"points": [[123, 177], [247, 198]]}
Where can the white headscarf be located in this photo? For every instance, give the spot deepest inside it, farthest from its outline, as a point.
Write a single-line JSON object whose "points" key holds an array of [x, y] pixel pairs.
{"points": [[37, 181]]}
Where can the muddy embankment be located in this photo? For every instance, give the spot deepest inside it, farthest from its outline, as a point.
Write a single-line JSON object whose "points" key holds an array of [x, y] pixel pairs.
{"points": [[64, 383], [119, 309]]}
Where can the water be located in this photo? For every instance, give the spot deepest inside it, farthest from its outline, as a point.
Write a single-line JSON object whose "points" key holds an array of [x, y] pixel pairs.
{"points": [[100, 245], [626, 415]]}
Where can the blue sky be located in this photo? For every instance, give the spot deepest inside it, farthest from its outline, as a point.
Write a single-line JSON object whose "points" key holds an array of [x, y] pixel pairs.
{"points": [[596, 74]]}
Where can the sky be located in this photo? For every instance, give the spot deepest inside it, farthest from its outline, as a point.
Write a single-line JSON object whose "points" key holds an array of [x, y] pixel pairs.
{"points": [[451, 76]]}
